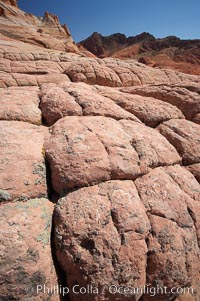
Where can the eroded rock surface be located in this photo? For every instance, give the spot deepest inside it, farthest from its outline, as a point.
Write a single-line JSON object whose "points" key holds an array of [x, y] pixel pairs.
{"points": [[154, 226], [195, 170], [78, 99], [23, 171], [149, 110], [116, 144], [185, 136], [46, 32], [21, 104], [105, 246], [26, 259], [184, 97], [98, 149], [169, 52]]}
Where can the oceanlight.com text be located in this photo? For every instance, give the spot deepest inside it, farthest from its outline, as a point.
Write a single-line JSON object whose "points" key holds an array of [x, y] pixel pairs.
{"points": [[92, 289]]}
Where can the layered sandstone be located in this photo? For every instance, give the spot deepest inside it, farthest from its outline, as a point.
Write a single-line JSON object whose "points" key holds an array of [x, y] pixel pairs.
{"points": [[46, 32], [115, 144]]}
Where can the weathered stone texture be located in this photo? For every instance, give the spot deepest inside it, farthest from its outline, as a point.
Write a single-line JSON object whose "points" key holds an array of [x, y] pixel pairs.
{"points": [[116, 144], [25, 254]]}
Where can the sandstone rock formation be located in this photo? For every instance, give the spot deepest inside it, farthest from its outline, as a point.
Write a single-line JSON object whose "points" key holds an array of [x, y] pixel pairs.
{"points": [[23, 172], [170, 52], [116, 145], [25, 237], [10, 2], [46, 32]]}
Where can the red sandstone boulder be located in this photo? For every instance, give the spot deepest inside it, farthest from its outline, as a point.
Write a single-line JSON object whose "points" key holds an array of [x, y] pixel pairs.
{"points": [[185, 136], [195, 170], [23, 171], [112, 231], [100, 247], [55, 104], [25, 251], [174, 239], [99, 149], [152, 149], [77, 99], [104, 246], [93, 73], [149, 110], [20, 104], [185, 180], [185, 97]]}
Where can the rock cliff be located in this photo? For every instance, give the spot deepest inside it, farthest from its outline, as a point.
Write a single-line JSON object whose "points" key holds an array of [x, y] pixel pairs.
{"points": [[170, 52], [45, 32], [100, 174]]}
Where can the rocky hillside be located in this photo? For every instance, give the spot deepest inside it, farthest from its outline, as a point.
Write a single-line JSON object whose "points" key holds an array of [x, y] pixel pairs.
{"points": [[170, 52], [100, 176], [45, 32]]}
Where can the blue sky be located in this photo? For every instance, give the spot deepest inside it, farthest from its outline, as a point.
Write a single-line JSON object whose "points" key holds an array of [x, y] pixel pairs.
{"points": [[159, 17]]}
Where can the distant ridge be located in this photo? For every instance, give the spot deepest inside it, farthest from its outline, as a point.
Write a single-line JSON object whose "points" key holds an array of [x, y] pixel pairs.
{"points": [[171, 51]]}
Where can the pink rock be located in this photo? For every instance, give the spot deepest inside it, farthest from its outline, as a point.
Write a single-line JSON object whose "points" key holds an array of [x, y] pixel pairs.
{"points": [[149, 110], [174, 239], [195, 170], [6, 80], [78, 99], [55, 104], [153, 149], [92, 244], [23, 171], [185, 98], [91, 152], [35, 68], [35, 80], [171, 256], [20, 104], [104, 246], [127, 77], [92, 73], [163, 197], [25, 253], [93, 104], [128, 213], [196, 119], [185, 180], [46, 32], [185, 136], [76, 155]]}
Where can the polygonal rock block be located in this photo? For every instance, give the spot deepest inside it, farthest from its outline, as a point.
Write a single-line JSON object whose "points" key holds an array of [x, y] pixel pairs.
{"points": [[185, 136], [76, 99], [26, 267], [83, 151], [195, 170], [100, 239], [93, 73], [183, 96], [149, 110], [20, 104], [109, 236], [22, 163]]}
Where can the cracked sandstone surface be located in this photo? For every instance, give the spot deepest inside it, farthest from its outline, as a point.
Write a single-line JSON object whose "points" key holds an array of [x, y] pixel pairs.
{"points": [[116, 145]]}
